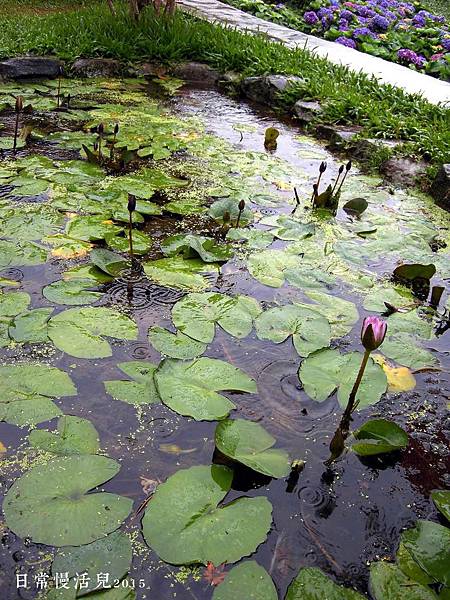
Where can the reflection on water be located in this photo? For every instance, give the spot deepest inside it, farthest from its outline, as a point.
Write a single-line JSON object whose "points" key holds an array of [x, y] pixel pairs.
{"points": [[338, 520]]}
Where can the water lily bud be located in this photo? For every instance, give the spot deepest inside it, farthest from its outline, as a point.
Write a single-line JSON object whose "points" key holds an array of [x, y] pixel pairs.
{"points": [[323, 167], [241, 205], [226, 217], [95, 146], [131, 203], [19, 103], [348, 166], [100, 128], [373, 333], [341, 169], [116, 128]]}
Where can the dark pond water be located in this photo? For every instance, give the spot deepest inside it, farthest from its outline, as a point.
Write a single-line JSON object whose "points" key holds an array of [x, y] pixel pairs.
{"points": [[340, 518]]}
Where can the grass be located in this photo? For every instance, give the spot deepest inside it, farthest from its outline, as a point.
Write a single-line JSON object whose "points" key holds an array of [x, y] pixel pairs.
{"points": [[349, 98], [40, 7]]}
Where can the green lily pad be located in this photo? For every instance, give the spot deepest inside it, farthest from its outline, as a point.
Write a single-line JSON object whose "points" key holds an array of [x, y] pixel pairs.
{"points": [[80, 331], [255, 238], [247, 580], [356, 206], [379, 436], [121, 243], [194, 246], [13, 303], [74, 435], [31, 326], [413, 271], [310, 331], [195, 530], [111, 554], [175, 345], [190, 387], [72, 292], [50, 504], [312, 584], [429, 545], [288, 228], [109, 262], [196, 315], [397, 296], [28, 186], [21, 254], [388, 582], [250, 444], [7, 143], [231, 206], [66, 247], [326, 371], [442, 500], [141, 390], [27, 390], [409, 566], [91, 228], [341, 314], [405, 350], [177, 272]]}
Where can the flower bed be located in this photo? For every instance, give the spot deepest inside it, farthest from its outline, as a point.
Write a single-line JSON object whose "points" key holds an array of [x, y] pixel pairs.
{"points": [[398, 31]]}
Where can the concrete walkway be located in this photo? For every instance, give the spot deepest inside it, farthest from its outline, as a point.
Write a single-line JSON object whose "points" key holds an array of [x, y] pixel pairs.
{"points": [[434, 90]]}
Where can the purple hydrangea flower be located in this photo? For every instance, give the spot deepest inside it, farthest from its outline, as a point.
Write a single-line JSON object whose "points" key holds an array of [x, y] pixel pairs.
{"points": [[445, 43], [411, 57], [364, 31], [324, 13], [363, 11], [343, 25], [347, 15], [310, 17], [346, 42], [380, 23]]}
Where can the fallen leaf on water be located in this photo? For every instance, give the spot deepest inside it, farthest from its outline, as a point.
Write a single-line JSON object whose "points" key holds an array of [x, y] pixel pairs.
{"points": [[214, 575], [65, 252], [2, 448], [400, 379], [174, 449], [149, 485], [283, 186]]}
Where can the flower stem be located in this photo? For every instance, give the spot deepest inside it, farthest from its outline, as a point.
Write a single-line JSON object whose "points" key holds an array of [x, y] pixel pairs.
{"points": [[352, 404]]}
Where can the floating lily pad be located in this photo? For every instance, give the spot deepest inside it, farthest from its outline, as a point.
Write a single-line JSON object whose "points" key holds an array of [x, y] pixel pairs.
{"points": [[21, 254], [111, 554], [31, 326], [13, 303], [409, 566], [109, 262], [50, 504], [74, 435], [91, 228], [405, 350], [379, 436], [175, 345], [341, 314], [176, 272], [194, 246], [250, 444], [196, 315], [195, 530], [287, 228], [231, 206], [66, 247], [80, 331], [190, 387], [326, 371], [72, 292], [356, 206], [141, 390], [27, 390], [398, 297], [121, 243], [412, 271], [429, 545], [388, 582], [312, 584], [255, 238], [442, 500], [310, 331], [247, 580]]}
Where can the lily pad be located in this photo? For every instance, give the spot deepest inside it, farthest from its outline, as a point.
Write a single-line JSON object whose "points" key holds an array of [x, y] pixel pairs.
{"points": [[27, 390], [397, 296], [176, 272], [247, 580], [310, 331], [379, 436], [250, 444], [194, 246], [141, 390], [341, 314], [72, 292], [190, 387], [50, 504], [255, 238], [109, 262], [410, 272], [326, 371], [175, 345], [111, 554], [429, 545], [91, 228], [405, 350], [196, 315], [312, 584], [196, 530], [74, 435], [409, 566], [356, 206], [442, 500], [80, 331], [21, 254], [120, 242], [231, 206], [31, 326], [388, 582]]}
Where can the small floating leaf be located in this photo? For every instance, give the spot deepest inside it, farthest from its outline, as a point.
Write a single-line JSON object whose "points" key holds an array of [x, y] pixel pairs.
{"points": [[141, 390], [230, 205], [74, 435], [312, 584], [109, 262], [356, 206], [388, 582], [177, 272], [72, 292], [175, 345], [442, 500], [50, 504], [400, 379], [413, 271], [250, 444], [31, 326], [379, 436], [195, 530], [247, 580], [194, 246], [190, 388]]}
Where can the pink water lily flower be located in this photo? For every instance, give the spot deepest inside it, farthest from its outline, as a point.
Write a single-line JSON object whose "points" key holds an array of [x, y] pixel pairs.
{"points": [[373, 333]]}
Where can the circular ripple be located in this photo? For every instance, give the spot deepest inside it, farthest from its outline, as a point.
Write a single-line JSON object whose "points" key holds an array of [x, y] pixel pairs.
{"points": [[140, 352], [312, 496]]}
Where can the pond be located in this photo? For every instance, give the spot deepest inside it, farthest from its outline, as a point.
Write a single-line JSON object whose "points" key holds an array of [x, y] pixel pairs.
{"points": [[279, 300]]}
